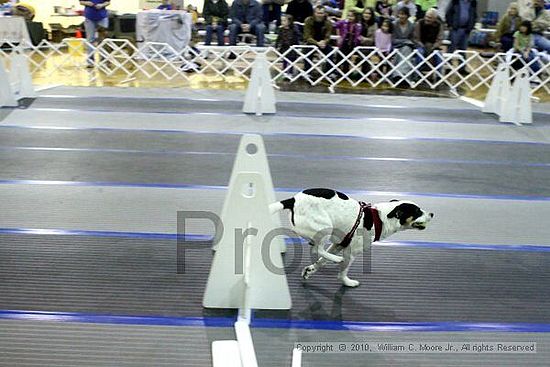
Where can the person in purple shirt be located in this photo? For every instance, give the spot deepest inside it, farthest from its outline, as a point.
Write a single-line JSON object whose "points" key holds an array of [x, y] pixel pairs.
{"points": [[96, 21]]}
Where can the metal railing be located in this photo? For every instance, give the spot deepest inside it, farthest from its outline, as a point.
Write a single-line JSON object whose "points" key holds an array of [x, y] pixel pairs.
{"points": [[365, 66]]}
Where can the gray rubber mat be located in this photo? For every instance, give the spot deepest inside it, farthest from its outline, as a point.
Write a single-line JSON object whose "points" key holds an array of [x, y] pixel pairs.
{"points": [[32, 343], [166, 105], [129, 276], [60, 345], [400, 176], [307, 146]]}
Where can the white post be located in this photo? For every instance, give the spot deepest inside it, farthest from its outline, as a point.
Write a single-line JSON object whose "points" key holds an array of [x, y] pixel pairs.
{"points": [[260, 95], [517, 108], [20, 70], [499, 91], [7, 96]]}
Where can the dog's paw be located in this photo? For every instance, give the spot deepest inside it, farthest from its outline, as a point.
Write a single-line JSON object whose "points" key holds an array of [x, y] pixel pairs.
{"points": [[308, 271], [350, 282]]}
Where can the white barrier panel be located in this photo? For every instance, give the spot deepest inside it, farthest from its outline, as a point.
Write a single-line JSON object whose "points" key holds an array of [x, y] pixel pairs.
{"points": [[260, 95], [246, 347], [7, 98], [266, 285], [296, 357], [517, 108], [252, 157], [226, 353], [499, 91], [21, 72]]}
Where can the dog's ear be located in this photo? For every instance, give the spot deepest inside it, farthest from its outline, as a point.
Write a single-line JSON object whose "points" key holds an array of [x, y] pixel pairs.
{"points": [[405, 211], [397, 212]]}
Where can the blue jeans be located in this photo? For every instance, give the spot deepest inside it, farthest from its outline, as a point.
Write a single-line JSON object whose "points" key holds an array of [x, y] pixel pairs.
{"points": [[257, 29], [219, 32], [91, 26], [459, 39], [541, 43]]}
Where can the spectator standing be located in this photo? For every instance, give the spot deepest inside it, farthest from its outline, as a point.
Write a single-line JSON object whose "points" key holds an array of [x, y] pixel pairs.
{"points": [[507, 26], [246, 16], [317, 32], [96, 23], [215, 14], [461, 16], [541, 23]]}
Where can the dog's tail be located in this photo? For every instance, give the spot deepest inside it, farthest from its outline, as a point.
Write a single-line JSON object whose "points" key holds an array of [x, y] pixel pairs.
{"points": [[280, 205]]}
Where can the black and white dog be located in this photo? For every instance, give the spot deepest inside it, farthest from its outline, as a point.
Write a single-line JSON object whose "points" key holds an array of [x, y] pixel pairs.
{"points": [[318, 213]]}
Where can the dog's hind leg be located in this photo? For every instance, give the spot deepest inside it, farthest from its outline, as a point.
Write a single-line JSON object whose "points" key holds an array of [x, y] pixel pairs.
{"points": [[313, 268], [349, 255]]}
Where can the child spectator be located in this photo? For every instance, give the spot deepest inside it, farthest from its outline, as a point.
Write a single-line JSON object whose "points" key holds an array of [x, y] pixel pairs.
{"points": [[507, 26], [523, 44], [288, 36], [349, 31], [383, 42]]}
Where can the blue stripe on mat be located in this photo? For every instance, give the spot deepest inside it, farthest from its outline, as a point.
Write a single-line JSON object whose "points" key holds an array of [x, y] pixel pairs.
{"points": [[277, 324], [289, 241], [278, 189]]}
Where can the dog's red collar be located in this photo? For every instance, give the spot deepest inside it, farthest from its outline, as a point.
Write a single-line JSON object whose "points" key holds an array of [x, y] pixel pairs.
{"points": [[377, 222], [374, 218]]}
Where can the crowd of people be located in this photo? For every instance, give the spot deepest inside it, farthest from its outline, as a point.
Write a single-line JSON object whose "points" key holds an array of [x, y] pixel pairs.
{"points": [[406, 26]]}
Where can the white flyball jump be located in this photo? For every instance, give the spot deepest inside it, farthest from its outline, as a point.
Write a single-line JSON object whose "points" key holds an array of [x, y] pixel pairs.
{"points": [[499, 90], [260, 95], [510, 103], [517, 108], [247, 270], [251, 157], [16, 84]]}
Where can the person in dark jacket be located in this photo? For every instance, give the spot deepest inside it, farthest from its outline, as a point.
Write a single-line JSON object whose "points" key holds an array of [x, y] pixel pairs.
{"points": [[461, 16], [215, 14], [246, 17], [300, 10]]}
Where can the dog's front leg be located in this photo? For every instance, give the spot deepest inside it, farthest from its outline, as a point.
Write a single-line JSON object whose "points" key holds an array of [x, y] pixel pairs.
{"points": [[350, 253], [313, 268]]}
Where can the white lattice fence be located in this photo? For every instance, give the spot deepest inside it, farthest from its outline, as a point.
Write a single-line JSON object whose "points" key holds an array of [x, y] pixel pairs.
{"points": [[364, 65]]}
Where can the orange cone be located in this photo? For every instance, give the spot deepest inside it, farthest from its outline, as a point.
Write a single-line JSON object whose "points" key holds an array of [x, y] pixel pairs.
{"points": [[78, 33]]}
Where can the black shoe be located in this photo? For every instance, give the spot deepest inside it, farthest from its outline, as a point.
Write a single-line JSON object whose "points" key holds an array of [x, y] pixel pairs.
{"points": [[232, 56]]}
